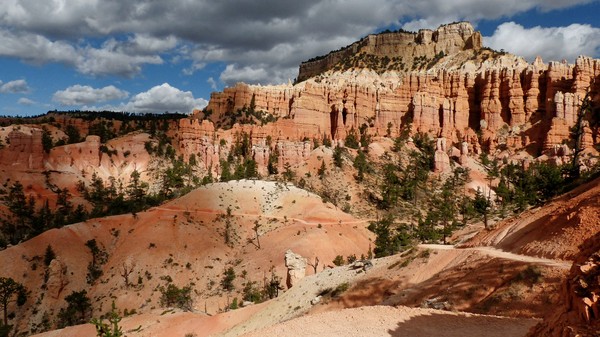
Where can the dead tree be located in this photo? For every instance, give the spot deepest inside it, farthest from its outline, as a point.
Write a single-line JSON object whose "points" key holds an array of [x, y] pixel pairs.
{"points": [[126, 269], [315, 264]]}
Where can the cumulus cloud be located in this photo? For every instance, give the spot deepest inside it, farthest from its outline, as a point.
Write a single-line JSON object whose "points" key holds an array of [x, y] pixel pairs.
{"points": [[35, 48], [262, 38], [83, 94], [14, 87], [552, 43], [162, 98]]}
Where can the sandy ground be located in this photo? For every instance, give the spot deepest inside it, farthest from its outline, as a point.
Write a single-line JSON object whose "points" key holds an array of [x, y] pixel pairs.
{"points": [[402, 321]]}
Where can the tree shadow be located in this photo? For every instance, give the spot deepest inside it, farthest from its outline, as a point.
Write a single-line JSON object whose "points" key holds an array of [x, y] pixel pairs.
{"points": [[368, 292], [486, 286], [435, 323]]}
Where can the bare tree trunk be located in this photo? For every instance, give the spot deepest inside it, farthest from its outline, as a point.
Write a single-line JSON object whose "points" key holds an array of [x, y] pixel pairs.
{"points": [[315, 265]]}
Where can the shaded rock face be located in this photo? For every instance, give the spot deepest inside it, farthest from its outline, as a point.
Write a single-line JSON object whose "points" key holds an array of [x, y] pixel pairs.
{"points": [[296, 266]]}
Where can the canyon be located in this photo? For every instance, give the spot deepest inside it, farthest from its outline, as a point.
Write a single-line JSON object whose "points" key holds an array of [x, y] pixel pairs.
{"points": [[304, 214]]}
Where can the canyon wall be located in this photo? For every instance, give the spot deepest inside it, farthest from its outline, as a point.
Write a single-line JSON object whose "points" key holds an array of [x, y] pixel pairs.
{"points": [[496, 101]]}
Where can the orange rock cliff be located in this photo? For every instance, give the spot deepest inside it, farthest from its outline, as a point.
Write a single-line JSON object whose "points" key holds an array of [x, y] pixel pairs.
{"points": [[466, 93]]}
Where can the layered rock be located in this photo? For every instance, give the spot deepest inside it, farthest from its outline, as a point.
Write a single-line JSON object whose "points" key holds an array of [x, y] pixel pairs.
{"points": [[447, 39], [24, 150], [487, 99]]}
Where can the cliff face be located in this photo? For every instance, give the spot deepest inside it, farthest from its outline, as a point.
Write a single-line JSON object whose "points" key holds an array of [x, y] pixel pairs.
{"points": [[447, 39], [487, 99]]}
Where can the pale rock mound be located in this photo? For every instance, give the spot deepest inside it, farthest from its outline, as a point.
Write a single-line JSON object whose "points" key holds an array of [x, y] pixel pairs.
{"points": [[296, 268]]}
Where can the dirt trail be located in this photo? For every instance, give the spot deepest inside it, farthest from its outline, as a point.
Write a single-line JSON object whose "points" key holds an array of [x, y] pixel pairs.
{"points": [[503, 255], [263, 216]]}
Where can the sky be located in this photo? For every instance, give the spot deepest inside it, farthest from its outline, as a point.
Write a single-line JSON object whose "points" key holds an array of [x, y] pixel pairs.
{"points": [[152, 56]]}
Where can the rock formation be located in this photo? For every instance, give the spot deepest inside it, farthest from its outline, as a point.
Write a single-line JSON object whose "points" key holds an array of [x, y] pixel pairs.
{"points": [[467, 94], [24, 150], [447, 39], [442, 82], [296, 266], [441, 158], [580, 314], [57, 278]]}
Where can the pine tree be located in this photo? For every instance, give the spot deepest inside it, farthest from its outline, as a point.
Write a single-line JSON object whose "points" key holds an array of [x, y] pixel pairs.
{"points": [[110, 329], [10, 291]]}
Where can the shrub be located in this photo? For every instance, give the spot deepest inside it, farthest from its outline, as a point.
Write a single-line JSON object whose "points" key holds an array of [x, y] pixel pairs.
{"points": [[173, 296], [339, 260]]}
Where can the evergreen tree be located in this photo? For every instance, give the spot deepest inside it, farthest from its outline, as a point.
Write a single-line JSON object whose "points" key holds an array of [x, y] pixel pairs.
{"points": [[10, 291], [136, 191], [110, 329], [78, 310], [47, 142], [273, 162], [322, 170], [228, 278], [482, 206], [225, 171], [49, 255], [337, 156], [361, 165], [251, 169], [390, 238], [173, 296]]}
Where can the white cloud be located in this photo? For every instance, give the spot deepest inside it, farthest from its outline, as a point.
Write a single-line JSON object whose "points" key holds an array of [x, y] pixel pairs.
{"points": [[266, 38], [193, 68], [143, 43], [213, 84], [552, 43], [15, 87], [35, 48], [114, 57], [162, 98], [105, 61], [26, 101], [83, 94]]}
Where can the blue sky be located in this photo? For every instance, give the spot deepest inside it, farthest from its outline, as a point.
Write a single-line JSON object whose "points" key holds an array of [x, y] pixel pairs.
{"points": [[156, 56]]}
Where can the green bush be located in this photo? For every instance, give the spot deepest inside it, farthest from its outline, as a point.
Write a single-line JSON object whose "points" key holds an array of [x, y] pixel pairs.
{"points": [[173, 296], [339, 260]]}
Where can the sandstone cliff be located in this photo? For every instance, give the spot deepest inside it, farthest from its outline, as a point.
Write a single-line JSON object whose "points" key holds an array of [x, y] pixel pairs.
{"points": [[490, 100]]}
